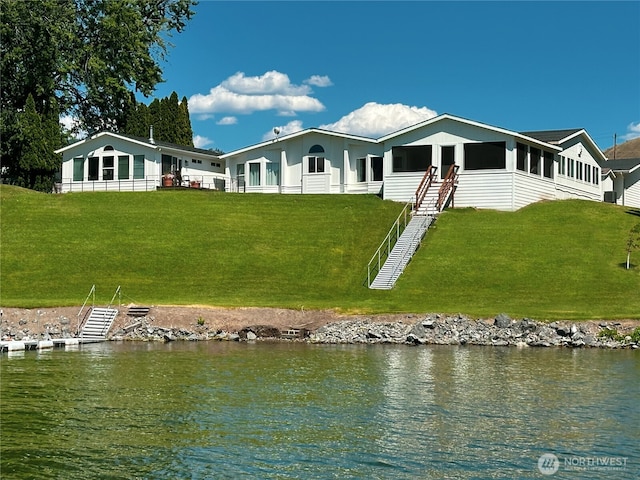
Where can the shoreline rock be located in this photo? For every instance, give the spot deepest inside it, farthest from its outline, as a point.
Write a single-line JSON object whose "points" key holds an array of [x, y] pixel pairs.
{"points": [[430, 330], [167, 324]]}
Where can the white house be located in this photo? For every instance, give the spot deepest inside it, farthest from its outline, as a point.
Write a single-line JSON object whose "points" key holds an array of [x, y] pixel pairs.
{"points": [[494, 167], [497, 168], [110, 161], [622, 181]]}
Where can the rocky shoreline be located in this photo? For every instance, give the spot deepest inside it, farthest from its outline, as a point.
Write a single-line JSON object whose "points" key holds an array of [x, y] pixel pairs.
{"points": [[430, 330], [331, 328]]}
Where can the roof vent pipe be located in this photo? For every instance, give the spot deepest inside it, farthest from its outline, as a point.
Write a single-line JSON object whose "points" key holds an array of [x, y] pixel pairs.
{"points": [[151, 140]]}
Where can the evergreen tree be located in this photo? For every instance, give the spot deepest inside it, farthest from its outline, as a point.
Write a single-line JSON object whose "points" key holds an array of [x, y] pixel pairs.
{"points": [[37, 162], [186, 137]]}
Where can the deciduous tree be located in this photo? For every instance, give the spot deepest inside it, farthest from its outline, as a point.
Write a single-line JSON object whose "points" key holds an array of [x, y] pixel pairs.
{"points": [[84, 57]]}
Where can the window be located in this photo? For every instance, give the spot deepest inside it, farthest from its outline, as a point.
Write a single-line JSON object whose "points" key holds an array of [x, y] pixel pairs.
{"points": [[484, 156], [579, 170], [107, 168], [534, 166], [169, 164], [123, 167], [93, 168], [587, 173], [240, 176], [138, 166], [548, 165], [316, 164], [78, 169], [596, 175], [108, 148], [521, 161], [254, 174], [273, 174], [376, 169], [447, 158], [572, 172], [361, 169], [563, 165], [411, 158]]}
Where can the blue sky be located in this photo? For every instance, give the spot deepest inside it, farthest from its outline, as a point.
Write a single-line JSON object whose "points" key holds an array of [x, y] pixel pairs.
{"points": [[369, 68]]}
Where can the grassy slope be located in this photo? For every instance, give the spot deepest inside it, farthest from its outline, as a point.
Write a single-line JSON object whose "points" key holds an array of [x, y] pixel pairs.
{"points": [[550, 260]]}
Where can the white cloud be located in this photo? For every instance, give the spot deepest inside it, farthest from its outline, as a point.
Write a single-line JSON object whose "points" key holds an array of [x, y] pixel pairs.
{"points": [[227, 121], [633, 131], [201, 142], [375, 119], [291, 127], [270, 83], [319, 81], [239, 94], [71, 125]]}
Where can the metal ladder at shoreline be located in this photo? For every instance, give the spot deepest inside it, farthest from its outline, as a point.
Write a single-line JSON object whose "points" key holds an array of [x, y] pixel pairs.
{"points": [[99, 321], [404, 238]]}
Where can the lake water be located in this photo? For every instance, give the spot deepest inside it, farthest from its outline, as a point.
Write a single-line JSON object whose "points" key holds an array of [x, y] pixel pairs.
{"points": [[292, 410]]}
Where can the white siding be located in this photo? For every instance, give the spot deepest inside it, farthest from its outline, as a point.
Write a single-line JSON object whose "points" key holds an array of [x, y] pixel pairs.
{"points": [[631, 196], [316, 183], [530, 189], [401, 187], [485, 189]]}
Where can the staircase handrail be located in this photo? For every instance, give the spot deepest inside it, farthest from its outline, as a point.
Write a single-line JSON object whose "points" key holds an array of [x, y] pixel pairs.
{"points": [[425, 183], [80, 321], [114, 296], [409, 249], [383, 251], [448, 185]]}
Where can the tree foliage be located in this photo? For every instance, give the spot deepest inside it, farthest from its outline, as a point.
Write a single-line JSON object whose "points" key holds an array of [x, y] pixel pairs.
{"points": [[633, 242], [170, 120], [83, 58]]}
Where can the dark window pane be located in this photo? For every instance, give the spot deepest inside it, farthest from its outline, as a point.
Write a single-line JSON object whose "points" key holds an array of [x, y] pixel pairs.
{"points": [[485, 156]]}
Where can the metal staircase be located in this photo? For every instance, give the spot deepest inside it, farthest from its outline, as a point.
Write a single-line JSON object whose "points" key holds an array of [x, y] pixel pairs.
{"points": [[402, 252], [404, 238], [98, 324]]}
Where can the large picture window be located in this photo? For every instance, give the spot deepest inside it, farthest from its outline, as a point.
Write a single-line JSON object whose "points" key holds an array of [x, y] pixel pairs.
{"points": [[78, 169], [107, 168], [485, 156], [414, 158], [138, 166], [123, 167], [93, 168], [254, 174], [273, 174]]}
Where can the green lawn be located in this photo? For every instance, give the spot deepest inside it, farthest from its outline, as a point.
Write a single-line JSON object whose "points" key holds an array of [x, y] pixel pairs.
{"points": [[548, 261]]}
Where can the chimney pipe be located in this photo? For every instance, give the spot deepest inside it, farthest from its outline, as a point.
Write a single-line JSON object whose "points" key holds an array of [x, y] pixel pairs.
{"points": [[151, 140]]}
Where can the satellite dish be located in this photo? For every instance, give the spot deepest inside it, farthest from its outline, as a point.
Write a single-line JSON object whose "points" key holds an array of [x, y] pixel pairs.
{"points": [[276, 130]]}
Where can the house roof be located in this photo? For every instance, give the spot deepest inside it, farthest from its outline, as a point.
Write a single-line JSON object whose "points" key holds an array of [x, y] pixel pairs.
{"points": [[298, 134], [140, 141], [444, 116], [552, 136], [625, 165]]}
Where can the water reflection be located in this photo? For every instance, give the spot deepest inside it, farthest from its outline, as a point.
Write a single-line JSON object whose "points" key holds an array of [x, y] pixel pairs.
{"points": [[216, 410]]}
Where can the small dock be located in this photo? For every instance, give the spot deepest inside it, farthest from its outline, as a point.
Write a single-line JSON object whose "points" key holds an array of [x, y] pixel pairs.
{"points": [[19, 345]]}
